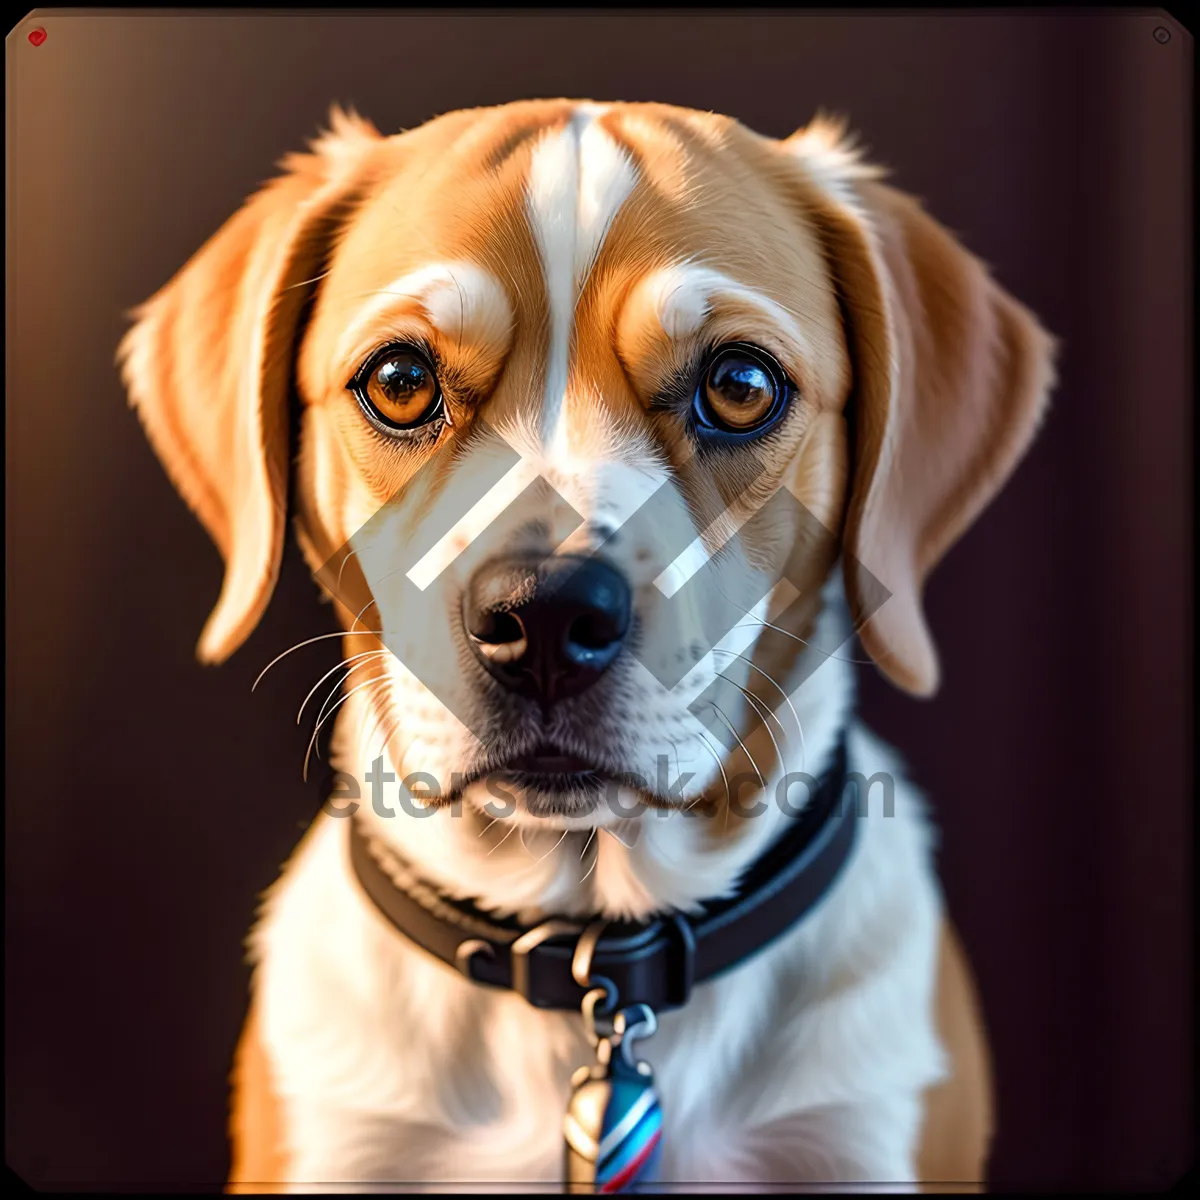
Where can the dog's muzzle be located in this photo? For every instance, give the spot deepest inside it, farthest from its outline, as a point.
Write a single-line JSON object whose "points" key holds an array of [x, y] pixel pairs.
{"points": [[547, 628]]}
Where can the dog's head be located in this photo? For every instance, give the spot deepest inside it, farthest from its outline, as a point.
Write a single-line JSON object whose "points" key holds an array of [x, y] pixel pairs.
{"points": [[576, 384]]}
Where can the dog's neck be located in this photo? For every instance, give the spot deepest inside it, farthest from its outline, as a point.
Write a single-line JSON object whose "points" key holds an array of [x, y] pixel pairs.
{"points": [[660, 860]]}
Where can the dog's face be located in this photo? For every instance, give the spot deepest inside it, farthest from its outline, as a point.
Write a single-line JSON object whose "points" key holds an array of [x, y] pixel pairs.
{"points": [[557, 363]]}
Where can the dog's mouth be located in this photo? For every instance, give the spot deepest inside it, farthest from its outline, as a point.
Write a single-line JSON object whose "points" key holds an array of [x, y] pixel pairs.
{"points": [[552, 781], [549, 781], [550, 761]]}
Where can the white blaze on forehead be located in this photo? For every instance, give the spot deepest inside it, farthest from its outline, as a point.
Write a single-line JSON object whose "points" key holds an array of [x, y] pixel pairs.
{"points": [[578, 179], [605, 482], [460, 300]]}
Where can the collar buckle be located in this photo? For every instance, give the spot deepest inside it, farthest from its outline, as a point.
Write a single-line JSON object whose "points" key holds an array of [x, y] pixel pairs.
{"points": [[520, 950], [674, 937]]}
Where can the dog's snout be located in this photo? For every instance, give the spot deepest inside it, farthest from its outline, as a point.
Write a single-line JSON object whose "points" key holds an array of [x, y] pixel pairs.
{"points": [[547, 629]]}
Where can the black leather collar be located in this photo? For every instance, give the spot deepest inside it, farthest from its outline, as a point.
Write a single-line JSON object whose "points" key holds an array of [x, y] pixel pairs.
{"points": [[655, 963]]}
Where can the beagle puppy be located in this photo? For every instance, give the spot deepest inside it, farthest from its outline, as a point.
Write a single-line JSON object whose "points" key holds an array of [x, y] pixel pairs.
{"points": [[508, 334]]}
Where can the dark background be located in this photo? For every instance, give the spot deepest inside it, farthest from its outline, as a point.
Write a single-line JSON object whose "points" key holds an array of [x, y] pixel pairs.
{"points": [[149, 799]]}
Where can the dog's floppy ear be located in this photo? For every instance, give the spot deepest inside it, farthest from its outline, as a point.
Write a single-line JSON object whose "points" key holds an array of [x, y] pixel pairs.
{"points": [[208, 367], [951, 376]]}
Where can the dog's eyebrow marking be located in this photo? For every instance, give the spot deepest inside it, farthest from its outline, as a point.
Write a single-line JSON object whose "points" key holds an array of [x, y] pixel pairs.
{"points": [[460, 299], [578, 179], [682, 297]]}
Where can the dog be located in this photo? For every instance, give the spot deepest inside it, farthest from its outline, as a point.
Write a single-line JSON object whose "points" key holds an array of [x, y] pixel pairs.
{"points": [[500, 336]]}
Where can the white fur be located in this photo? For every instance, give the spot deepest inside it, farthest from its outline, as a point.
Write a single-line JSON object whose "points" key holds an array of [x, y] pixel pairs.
{"points": [[805, 1064], [578, 179], [833, 159], [683, 294]]}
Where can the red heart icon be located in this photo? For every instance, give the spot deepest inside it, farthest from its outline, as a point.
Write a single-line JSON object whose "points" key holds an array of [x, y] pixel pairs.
{"points": [[37, 36]]}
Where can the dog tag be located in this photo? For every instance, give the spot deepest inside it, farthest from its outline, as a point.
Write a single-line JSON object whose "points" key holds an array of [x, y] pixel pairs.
{"points": [[613, 1126]]}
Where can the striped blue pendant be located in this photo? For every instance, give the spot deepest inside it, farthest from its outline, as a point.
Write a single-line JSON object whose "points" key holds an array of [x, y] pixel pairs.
{"points": [[613, 1126]]}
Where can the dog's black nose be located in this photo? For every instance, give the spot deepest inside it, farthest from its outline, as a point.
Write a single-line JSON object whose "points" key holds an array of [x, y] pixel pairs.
{"points": [[547, 629]]}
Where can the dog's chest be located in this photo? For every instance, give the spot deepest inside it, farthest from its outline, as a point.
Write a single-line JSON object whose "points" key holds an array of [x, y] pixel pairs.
{"points": [[394, 1067]]}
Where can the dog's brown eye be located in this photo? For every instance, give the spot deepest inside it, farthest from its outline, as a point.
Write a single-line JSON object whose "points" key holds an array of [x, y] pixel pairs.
{"points": [[740, 389], [399, 389]]}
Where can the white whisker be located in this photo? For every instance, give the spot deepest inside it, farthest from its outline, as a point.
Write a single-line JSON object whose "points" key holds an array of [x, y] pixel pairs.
{"points": [[720, 767], [504, 839], [628, 845], [862, 662], [729, 726], [595, 857], [358, 615], [308, 642], [352, 554], [756, 702], [340, 666], [755, 667], [552, 849], [306, 282], [313, 740]]}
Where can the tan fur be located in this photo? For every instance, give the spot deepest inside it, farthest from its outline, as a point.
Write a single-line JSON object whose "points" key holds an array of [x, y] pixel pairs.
{"points": [[959, 1114], [257, 1156]]}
